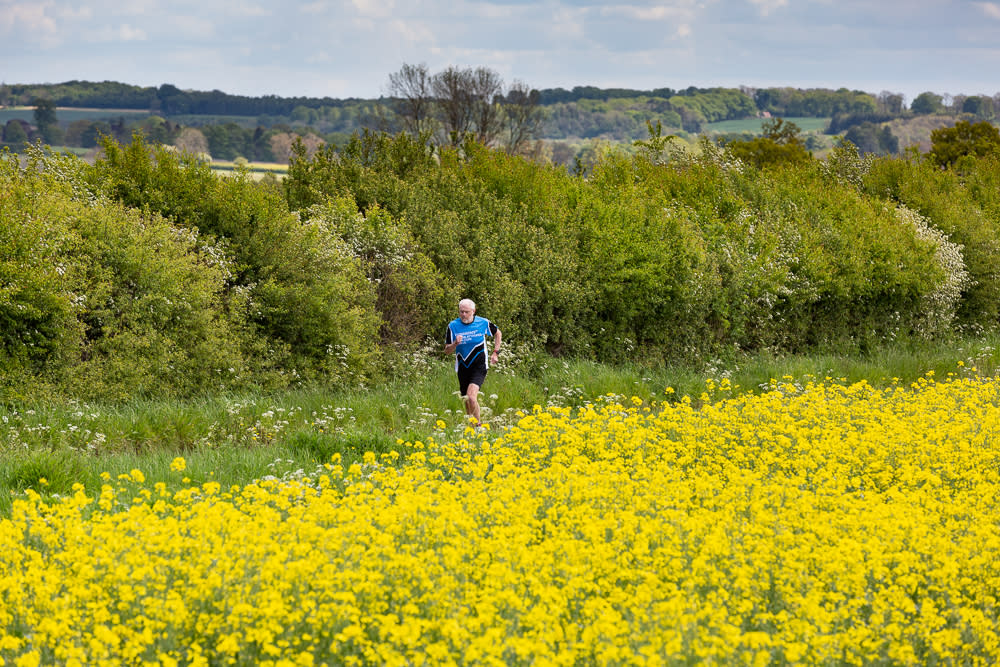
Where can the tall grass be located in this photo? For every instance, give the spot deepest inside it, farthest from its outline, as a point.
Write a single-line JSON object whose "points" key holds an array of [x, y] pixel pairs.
{"points": [[233, 439]]}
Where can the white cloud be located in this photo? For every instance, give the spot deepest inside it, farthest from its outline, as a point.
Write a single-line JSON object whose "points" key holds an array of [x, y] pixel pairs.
{"points": [[29, 17], [313, 7], [319, 58], [252, 11], [411, 32], [637, 13], [123, 33], [375, 9], [765, 7], [990, 9], [127, 33], [143, 8], [567, 23], [75, 14], [192, 27]]}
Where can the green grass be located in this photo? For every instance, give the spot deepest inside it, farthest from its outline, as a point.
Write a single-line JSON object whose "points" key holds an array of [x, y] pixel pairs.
{"points": [[234, 439], [754, 125]]}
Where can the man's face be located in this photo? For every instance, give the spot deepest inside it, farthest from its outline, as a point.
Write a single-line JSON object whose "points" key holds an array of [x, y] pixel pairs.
{"points": [[466, 313]]}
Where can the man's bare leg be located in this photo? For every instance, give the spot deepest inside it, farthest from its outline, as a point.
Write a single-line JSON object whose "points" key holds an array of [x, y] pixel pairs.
{"points": [[472, 402]]}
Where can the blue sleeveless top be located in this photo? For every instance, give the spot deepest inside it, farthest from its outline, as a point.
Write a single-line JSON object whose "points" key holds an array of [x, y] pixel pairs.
{"points": [[472, 350]]}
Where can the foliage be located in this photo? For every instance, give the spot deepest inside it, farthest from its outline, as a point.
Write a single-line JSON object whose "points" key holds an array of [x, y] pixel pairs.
{"points": [[106, 301], [14, 133], [662, 254], [869, 138], [941, 197], [927, 103], [410, 295], [184, 281], [779, 145], [816, 102], [843, 122], [654, 148], [950, 144]]}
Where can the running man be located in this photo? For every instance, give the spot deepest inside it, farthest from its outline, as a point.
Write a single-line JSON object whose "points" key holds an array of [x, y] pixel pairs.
{"points": [[466, 338]]}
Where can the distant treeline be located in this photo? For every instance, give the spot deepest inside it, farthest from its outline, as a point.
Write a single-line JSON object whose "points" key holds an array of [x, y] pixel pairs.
{"points": [[167, 99], [573, 122]]}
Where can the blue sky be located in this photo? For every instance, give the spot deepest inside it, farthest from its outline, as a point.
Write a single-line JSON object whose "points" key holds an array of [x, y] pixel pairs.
{"points": [[348, 49]]}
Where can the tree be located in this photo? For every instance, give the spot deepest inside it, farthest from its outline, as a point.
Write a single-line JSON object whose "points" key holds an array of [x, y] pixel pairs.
{"points": [[465, 103], [192, 140], [74, 133], [979, 106], [781, 131], [281, 146], [46, 121], [91, 135], [927, 103], [312, 142], [655, 147], [453, 92], [45, 112], [890, 102], [870, 139], [523, 115], [485, 95], [957, 102], [780, 144], [413, 98], [14, 132], [948, 144]]}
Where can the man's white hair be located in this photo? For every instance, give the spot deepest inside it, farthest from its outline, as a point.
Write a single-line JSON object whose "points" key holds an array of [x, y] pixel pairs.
{"points": [[467, 302]]}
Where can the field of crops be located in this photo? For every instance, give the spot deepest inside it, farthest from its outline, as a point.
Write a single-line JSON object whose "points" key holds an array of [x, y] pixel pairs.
{"points": [[819, 522], [71, 114], [754, 125]]}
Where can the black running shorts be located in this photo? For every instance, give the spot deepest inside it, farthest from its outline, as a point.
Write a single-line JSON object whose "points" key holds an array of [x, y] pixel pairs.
{"points": [[475, 375]]}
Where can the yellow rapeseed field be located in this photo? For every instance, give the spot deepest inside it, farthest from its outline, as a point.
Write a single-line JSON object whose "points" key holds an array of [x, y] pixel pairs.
{"points": [[817, 523]]}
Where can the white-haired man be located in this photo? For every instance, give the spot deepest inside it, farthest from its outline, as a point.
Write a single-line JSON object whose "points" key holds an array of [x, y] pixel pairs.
{"points": [[466, 339]]}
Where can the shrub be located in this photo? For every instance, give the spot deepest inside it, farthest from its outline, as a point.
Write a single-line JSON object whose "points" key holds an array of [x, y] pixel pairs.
{"points": [[946, 203], [115, 301], [411, 297], [308, 312]]}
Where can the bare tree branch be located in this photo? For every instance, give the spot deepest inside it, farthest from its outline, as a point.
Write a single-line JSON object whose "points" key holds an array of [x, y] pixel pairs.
{"points": [[413, 97], [523, 115], [452, 90], [486, 94]]}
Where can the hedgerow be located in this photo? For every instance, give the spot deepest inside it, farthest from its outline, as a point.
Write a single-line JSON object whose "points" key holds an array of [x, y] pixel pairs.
{"points": [[147, 273]]}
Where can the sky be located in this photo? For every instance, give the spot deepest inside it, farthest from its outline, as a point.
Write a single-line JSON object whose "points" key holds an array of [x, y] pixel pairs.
{"points": [[328, 48]]}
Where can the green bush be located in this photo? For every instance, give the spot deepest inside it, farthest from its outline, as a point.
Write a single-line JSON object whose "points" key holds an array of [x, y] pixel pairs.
{"points": [[412, 297], [308, 314], [110, 301], [38, 324], [943, 199], [656, 258], [791, 260]]}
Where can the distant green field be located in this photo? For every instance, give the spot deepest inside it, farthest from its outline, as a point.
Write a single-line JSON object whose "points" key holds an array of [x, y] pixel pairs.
{"points": [[257, 169], [754, 124], [69, 115]]}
